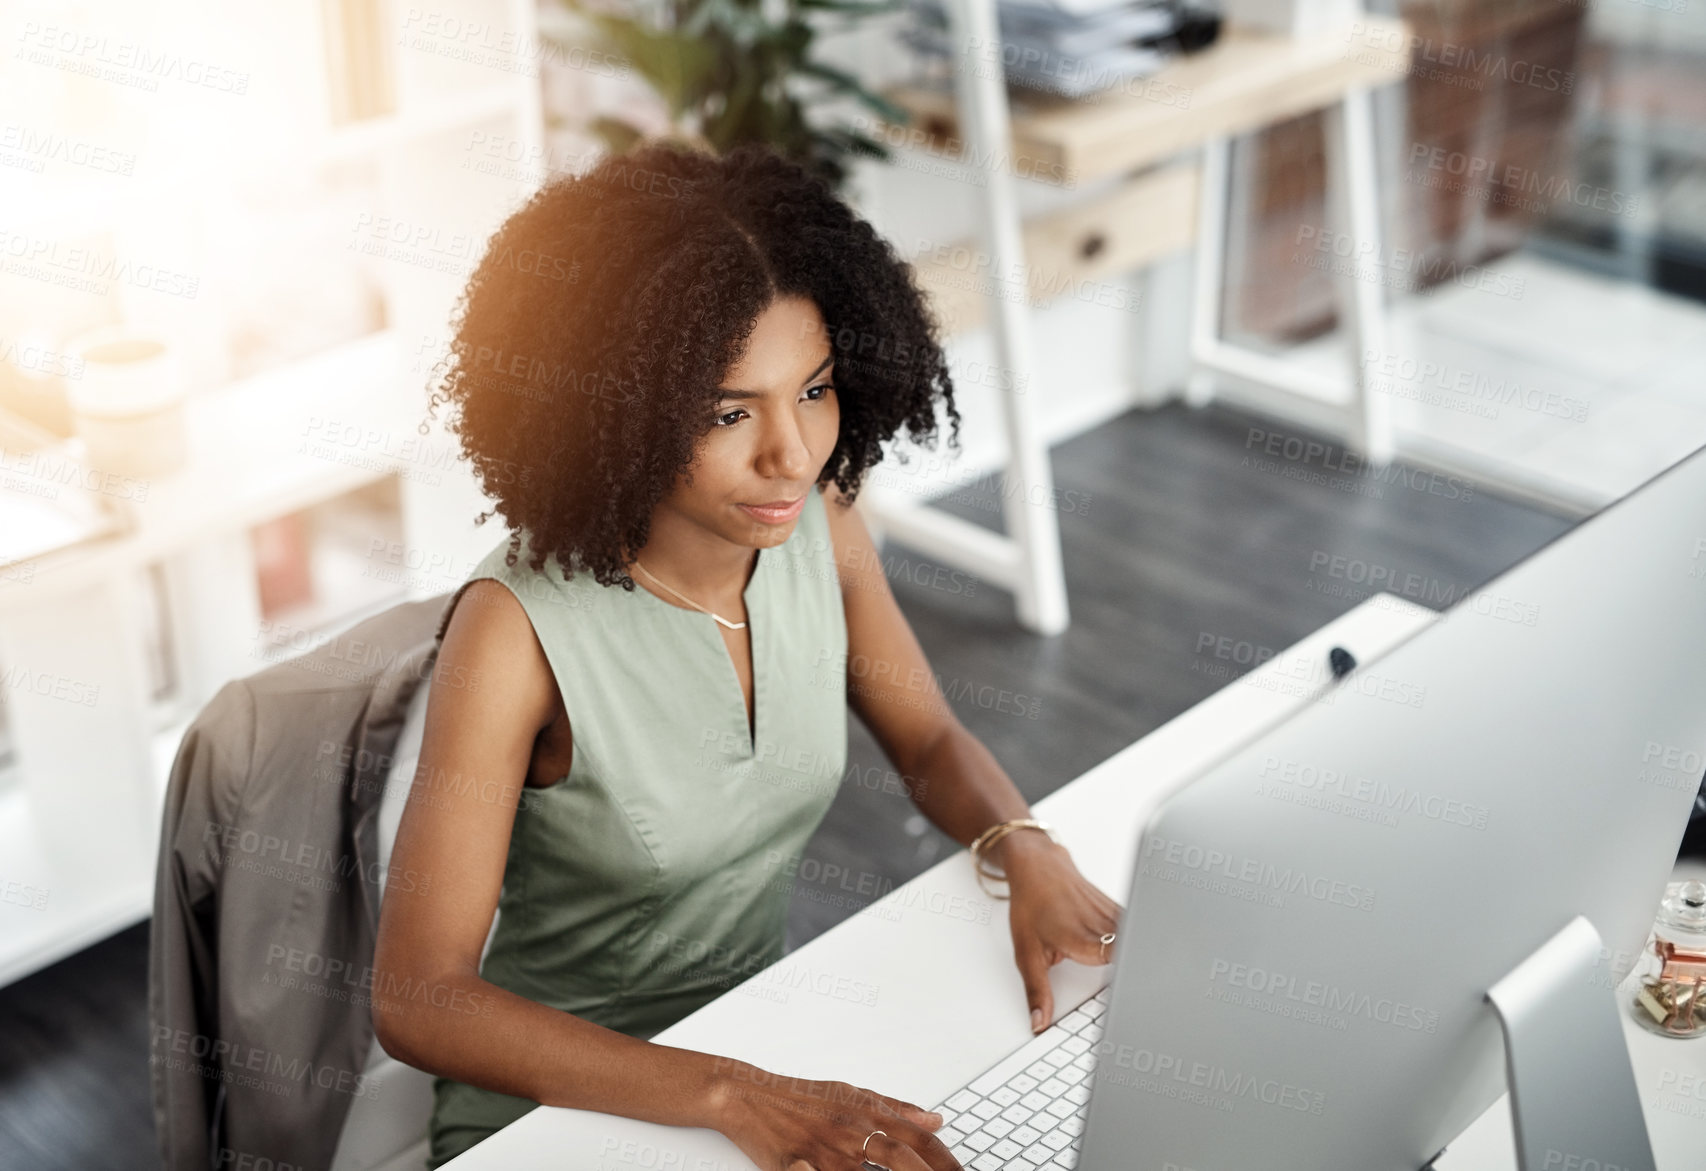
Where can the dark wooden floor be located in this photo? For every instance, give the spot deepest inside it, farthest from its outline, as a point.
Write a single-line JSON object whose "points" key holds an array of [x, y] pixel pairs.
{"points": [[1172, 528]]}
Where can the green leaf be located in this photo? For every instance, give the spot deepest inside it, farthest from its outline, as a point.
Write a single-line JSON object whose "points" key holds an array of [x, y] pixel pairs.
{"points": [[848, 84], [861, 144], [855, 7], [616, 135], [732, 66], [676, 65]]}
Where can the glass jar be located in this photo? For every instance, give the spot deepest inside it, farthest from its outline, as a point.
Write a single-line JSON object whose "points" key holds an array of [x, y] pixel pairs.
{"points": [[1670, 998]]}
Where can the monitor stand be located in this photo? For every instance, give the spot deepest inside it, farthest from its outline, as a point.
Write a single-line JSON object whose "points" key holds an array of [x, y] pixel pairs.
{"points": [[1574, 1102]]}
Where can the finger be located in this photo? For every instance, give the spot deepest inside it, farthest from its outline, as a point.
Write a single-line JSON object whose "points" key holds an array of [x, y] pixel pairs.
{"points": [[935, 1152], [1033, 970], [911, 1112], [1087, 949], [895, 1153], [1086, 946]]}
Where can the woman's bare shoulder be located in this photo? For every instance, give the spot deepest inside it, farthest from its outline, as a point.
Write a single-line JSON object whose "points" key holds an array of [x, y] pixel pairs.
{"points": [[491, 649]]}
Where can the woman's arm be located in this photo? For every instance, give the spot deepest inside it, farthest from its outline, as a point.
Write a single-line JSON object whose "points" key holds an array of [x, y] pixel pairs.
{"points": [[474, 760], [952, 778]]}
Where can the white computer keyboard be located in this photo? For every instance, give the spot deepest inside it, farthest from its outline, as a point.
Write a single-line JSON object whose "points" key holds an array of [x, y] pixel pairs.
{"points": [[1027, 1111]]}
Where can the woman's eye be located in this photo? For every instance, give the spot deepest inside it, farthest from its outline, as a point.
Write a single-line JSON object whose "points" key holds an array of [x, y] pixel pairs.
{"points": [[729, 418]]}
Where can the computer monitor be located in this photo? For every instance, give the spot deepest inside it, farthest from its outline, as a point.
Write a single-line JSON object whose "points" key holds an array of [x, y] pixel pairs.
{"points": [[1315, 922]]}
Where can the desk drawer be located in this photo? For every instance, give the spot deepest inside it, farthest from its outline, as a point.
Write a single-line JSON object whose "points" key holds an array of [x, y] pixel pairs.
{"points": [[1069, 251]]}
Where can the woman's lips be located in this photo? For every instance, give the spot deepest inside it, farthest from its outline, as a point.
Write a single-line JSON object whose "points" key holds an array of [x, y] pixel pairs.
{"points": [[775, 515]]}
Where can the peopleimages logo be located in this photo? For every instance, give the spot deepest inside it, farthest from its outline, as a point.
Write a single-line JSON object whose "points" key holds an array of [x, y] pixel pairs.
{"points": [[1171, 860], [302, 862], [1282, 988], [1557, 1160], [1223, 1086], [232, 1062], [1397, 799], [1670, 767]]}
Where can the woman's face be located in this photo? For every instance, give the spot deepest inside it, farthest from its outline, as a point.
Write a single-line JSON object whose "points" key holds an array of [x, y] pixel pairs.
{"points": [[772, 432]]}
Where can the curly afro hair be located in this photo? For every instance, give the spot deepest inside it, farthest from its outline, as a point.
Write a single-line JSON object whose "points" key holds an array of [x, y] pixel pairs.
{"points": [[593, 336]]}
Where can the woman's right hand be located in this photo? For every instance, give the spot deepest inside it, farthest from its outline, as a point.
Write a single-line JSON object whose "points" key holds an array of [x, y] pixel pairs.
{"points": [[794, 1124]]}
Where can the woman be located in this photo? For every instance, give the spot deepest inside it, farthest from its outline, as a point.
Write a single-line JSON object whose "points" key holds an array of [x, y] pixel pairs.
{"points": [[681, 366]]}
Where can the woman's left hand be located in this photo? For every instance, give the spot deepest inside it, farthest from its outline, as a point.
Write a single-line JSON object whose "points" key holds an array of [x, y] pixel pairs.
{"points": [[1055, 913]]}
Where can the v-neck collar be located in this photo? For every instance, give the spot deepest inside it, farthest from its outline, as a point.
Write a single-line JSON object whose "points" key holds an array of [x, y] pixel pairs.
{"points": [[702, 621]]}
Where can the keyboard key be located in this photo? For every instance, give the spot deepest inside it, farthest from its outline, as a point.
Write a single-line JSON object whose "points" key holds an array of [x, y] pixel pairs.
{"points": [[951, 1135], [981, 1141], [1061, 1108], [1073, 1126], [1039, 1152], [1085, 1061], [1006, 1148], [1057, 1138], [1021, 1164], [999, 1127], [1021, 1057], [962, 1101], [1053, 1088], [1057, 1058], [1025, 1136], [1075, 1045], [985, 1109], [986, 1162], [1075, 1020], [1067, 1158], [1004, 1095], [1023, 1082], [1077, 1095], [1041, 1070], [1036, 1100], [1018, 1113], [1070, 1074]]}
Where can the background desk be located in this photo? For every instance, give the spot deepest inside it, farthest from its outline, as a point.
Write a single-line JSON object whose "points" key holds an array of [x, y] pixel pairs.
{"points": [[948, 1002]]}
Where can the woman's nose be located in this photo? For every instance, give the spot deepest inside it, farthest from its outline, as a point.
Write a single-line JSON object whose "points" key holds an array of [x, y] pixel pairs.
{"points": [[783, 454]]}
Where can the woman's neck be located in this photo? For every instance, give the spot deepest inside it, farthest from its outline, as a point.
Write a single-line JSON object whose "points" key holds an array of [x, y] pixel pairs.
{"points": [[710, 569]]}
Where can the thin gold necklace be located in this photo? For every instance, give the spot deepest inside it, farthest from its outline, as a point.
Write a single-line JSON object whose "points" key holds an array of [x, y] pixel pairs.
{"points": [[688, 600]]}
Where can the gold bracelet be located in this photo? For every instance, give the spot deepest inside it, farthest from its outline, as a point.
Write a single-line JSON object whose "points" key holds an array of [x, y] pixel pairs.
{"points": [[987, 840]]}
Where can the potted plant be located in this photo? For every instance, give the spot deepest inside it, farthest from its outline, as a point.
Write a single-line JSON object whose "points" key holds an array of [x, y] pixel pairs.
{"points": [[735, 71]]}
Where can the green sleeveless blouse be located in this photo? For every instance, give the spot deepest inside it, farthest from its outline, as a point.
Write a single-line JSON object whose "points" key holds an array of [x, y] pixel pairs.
{"points": [[654, 876]]}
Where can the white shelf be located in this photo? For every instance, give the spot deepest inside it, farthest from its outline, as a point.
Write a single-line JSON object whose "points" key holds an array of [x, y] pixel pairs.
{"points": [[245, 466]]}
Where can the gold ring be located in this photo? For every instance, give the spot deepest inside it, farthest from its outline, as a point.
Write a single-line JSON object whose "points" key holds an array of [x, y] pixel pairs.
{"points": [[1106, 940], [867, 1143]]}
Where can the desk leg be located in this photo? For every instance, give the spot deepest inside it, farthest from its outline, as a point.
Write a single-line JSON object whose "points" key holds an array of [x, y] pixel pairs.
{"points": [[1027, 482], [1210, 267], [1354, 209]]}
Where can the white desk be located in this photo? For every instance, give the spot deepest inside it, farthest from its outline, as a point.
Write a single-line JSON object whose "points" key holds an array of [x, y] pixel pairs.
{"points": [[949, 1002]]}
